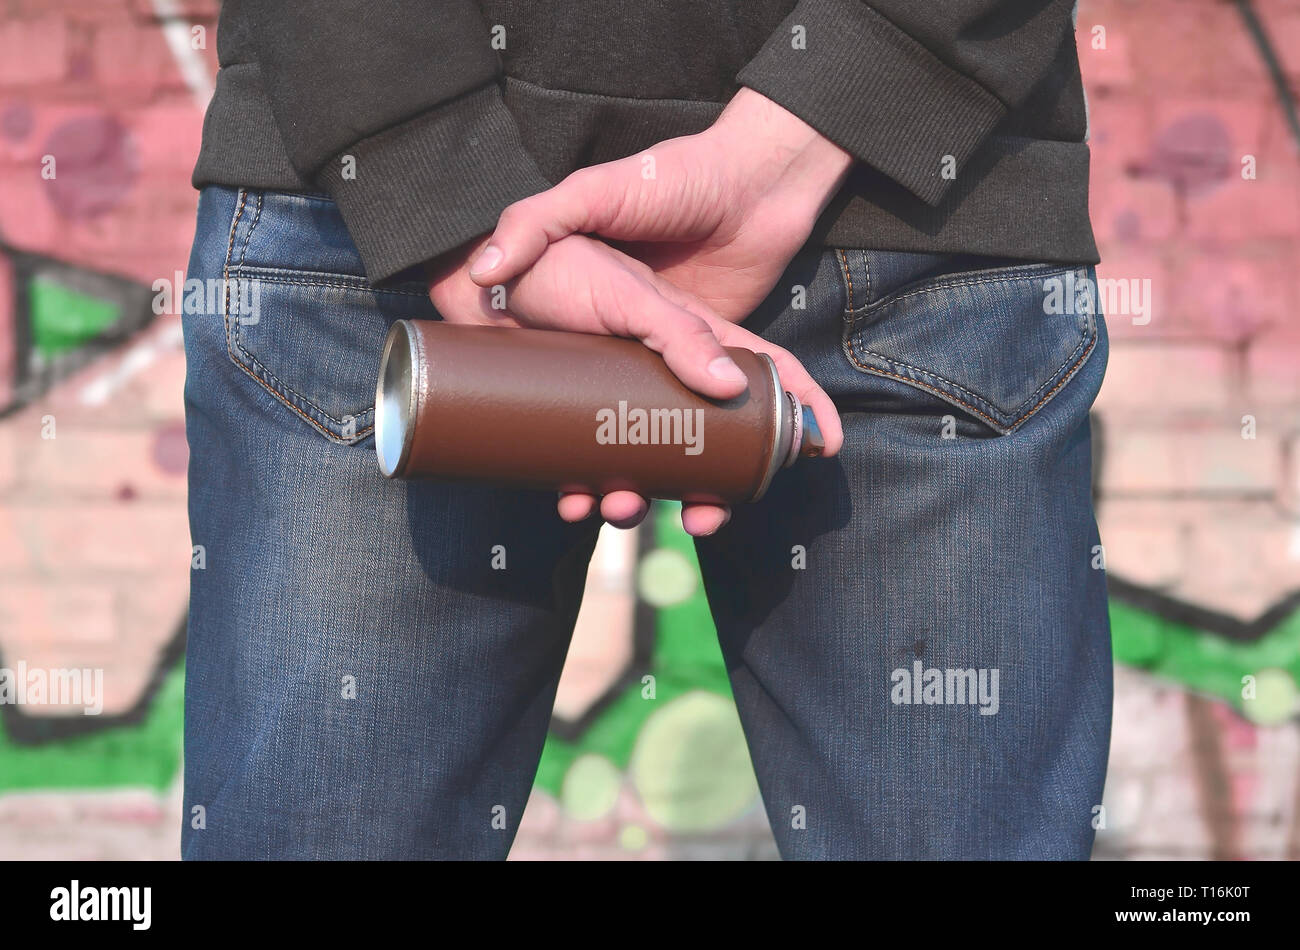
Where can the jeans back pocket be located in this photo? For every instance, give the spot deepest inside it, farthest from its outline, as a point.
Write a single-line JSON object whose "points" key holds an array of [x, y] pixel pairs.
{"points": [[998, 343], [310, 336]]}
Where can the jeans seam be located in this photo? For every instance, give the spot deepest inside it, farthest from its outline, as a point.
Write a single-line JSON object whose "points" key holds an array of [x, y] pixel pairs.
{"points": [[276, 275], [225, 273], [232, 344], [248, 238], [848, 281], [938, 283]]}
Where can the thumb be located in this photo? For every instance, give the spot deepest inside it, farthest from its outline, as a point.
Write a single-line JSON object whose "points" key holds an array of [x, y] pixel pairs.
{"points": [[526, 227]]}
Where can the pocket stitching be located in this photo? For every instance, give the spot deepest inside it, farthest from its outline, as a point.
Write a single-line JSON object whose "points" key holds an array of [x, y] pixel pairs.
{"points": [[232, 344], [1003, 274], [1005, 429], [1083, 339], [248, 238], [848, 280], [320, 279]]}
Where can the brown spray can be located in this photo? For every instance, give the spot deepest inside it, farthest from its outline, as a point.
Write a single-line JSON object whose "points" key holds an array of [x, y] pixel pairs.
{"points": [[577, 412]]}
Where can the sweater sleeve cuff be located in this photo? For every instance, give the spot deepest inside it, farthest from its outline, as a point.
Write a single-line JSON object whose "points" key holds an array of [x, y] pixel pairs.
{"points": [[876, 92], [421, 188]]}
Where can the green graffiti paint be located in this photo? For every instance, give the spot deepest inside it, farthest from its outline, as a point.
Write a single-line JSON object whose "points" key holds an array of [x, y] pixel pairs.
{"points": [[63, 319], [1198, 660], [143, 755], [686, 657]]}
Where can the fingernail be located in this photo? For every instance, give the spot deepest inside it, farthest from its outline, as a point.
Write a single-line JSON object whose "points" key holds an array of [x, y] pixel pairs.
{"points": [[725, 368], [487, 260]]}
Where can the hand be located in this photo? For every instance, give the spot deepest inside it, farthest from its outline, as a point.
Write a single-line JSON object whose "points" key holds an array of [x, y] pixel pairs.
{"points": [[584, 285], [718, 214]]}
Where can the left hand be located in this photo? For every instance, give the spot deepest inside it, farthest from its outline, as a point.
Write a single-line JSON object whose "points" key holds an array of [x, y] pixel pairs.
{"points": [[719, 214]]}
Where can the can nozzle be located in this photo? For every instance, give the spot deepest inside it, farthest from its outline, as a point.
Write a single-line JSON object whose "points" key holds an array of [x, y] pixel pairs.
{"points": [[811, 443], [806, 439]]}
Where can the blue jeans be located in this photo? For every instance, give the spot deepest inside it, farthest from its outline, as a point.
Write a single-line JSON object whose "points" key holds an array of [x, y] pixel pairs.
{"points": [[916, 631]]}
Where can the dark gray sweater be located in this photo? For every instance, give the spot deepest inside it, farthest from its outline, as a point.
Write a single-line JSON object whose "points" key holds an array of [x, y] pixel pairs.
{"points": [[424, 118]]}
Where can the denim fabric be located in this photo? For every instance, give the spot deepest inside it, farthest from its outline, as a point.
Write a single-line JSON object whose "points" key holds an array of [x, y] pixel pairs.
{"points": [[954, 533]]}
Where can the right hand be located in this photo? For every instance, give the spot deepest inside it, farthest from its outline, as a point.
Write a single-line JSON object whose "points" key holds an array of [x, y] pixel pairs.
{"points": [[584, 285]]}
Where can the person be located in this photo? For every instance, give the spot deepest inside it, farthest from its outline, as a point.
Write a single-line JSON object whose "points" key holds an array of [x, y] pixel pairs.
{"points": [[886, 197]]}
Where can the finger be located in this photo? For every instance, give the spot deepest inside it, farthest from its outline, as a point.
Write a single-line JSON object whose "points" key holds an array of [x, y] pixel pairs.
{"points": [[623, 509], [574, 506], [598, 292], [461, 301], [701, 520], [794, 377], [689, 347], [526, 227], [681, 335]]}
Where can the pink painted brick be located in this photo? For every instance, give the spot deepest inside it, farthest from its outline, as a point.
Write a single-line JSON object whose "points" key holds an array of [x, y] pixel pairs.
{"points": [[103, 463], [1240, 560], [1119, 132], [1131, 208], [1150, 382], [161, 392], [132, 61], [154, 389], [44, 621], [1209, 132], [1190, 459], [1289, 496], [31, 119], [80, 10], [11, 453], [122, 538], [150, 224], [199, 9], [16, 543], [1268, 207], [33, 51], [168, 134], [1137, 262], [1283, 26], [1108, 68], [27, 219], [1272, 374], [154, 612], [1237, 292], [1141, 540], [1135, 462], [125, 680], [1192, 47]]}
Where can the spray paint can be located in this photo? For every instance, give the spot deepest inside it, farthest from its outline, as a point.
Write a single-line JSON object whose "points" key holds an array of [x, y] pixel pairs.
{"points": [[577, 412]]}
